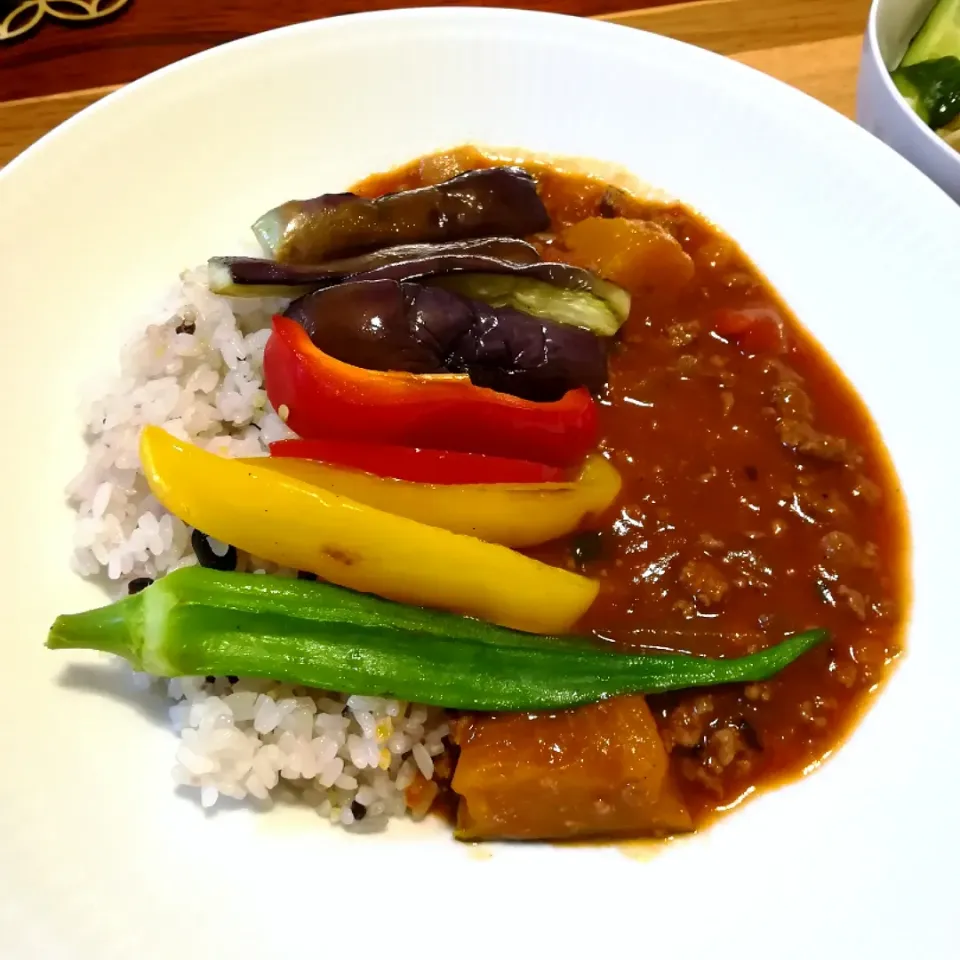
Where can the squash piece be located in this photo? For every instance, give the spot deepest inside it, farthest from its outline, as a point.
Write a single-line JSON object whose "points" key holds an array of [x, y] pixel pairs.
{"points": [[638, 255], [600, 770]]}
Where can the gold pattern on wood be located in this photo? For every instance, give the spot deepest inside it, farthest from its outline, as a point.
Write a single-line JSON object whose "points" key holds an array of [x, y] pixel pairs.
{"points": [[27, 15]]}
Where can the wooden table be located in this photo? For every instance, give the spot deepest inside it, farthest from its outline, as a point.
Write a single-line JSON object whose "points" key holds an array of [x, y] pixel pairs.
{"points": [[811, 44]]}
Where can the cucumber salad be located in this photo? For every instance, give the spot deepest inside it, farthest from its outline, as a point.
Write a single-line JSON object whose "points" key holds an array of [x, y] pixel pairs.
{"points": [[929, 74]]}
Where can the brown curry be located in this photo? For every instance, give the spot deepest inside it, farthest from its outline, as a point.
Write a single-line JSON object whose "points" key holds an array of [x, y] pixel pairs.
{"points": [[758, 501]]}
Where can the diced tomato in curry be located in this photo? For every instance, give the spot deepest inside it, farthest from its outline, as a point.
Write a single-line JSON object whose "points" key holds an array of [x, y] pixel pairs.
{"points": [[758, 500]]}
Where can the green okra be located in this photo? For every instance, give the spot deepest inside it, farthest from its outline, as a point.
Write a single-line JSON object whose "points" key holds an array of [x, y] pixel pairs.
{"points": [[197, 622]]}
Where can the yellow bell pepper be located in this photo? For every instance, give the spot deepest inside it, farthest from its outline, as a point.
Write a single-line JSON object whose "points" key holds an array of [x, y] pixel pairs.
{"points": [[516, 515], [295, 524]]}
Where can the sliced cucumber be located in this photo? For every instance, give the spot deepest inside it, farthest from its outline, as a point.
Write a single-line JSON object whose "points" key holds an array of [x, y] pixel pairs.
{"points": [[932, 89], [938, 37]]}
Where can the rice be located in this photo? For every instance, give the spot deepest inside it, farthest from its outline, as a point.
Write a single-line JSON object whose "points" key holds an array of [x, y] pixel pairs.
{"points": [[197, 371]]}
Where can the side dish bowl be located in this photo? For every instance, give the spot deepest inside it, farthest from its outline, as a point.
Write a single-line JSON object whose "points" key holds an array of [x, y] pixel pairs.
{"points": [[100, 857], [881, 108]]}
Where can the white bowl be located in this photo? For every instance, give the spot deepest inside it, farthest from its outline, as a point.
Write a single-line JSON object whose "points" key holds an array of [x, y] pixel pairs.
{"points": [[100, 857], [880, 107]]}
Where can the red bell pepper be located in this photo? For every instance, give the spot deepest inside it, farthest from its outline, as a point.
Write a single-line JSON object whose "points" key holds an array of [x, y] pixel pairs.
{"points": [[419, 465], [321, 398]]}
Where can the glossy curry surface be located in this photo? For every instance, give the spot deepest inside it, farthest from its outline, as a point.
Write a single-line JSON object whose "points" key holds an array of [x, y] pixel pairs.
{"points": [[757, 501]]}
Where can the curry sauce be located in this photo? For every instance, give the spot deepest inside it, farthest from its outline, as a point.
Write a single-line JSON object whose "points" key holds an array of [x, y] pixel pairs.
{"points": [[758, 499]]}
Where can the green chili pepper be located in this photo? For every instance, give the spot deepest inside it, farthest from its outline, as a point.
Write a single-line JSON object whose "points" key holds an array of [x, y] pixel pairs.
{"points": [[197, 622]]}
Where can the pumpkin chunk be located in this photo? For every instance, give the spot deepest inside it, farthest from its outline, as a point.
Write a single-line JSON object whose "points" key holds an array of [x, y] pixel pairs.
{"points": [[599, 770]]}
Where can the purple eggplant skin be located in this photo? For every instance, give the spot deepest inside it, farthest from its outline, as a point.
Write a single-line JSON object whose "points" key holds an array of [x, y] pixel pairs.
{"points": [[498, 201], [256, 277], [386, 325], [365, 324], [507, 350]]}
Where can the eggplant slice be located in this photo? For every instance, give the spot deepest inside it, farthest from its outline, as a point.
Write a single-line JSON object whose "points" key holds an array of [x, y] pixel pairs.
{"points": [[386, 325], [257, 277], [499, 201]]}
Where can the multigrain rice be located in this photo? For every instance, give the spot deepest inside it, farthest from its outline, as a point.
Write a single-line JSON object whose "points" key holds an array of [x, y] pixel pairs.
{"points": [[198, 372]]}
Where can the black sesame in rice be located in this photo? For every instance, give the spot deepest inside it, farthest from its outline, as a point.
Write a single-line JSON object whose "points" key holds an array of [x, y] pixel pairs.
{"points": [[138, 584], [186, 326], [358, 810], [209, 557]]}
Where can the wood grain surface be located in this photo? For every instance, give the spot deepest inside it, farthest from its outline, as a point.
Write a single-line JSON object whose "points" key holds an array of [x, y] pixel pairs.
{"points": [[147, 34], [735, 26], [813, 45], [826, 70]]}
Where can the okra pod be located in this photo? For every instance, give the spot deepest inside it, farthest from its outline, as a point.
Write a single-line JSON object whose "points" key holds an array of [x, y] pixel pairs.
{"points": [[197, 622]]}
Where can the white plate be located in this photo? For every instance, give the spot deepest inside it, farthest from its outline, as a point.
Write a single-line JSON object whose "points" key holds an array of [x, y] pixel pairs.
{"points": [[99, 858]]}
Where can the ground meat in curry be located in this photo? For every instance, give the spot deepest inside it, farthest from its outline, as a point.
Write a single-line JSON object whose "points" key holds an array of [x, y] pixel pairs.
{"points": [[758, 500]]}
